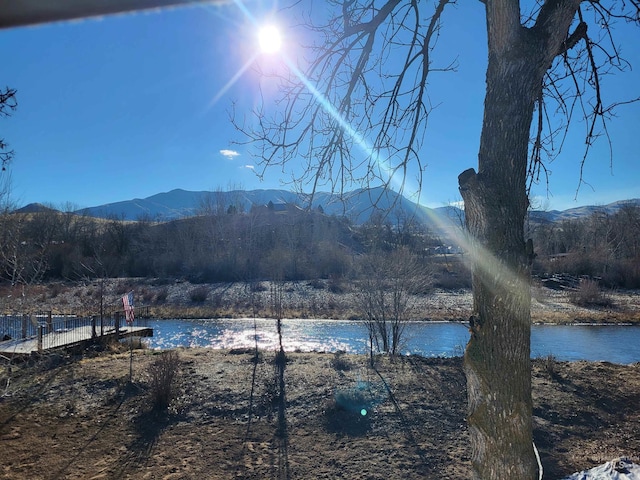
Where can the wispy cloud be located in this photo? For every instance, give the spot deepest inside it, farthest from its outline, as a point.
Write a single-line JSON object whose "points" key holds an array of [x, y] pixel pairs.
{"points": [[229, 154], [250, 167]]}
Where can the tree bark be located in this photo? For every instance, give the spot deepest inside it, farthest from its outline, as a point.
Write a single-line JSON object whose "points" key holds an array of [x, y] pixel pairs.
{"points": [[497, 357]]}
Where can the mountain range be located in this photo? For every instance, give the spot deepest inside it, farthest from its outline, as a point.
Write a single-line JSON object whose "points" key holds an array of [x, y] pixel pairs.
{"points": [[357, 205]]}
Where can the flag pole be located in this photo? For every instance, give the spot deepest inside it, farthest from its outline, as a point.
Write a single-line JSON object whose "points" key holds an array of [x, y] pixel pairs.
{"points": [[127, 303], [130, 358]]}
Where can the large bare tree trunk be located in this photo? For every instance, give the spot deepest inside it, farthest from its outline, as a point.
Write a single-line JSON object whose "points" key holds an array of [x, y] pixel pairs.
{"points": [[497, 358]]}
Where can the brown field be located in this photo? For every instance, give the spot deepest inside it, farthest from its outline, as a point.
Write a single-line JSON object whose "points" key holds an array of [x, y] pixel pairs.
{"points": [[81, 418]]}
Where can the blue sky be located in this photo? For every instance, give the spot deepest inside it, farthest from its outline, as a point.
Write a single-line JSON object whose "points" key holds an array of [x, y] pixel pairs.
{"points": [[128, 106]]}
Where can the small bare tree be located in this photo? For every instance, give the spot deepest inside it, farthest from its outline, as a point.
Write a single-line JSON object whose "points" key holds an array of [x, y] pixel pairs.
{"points": [[387, 284], [277, 310], [25, 243]]}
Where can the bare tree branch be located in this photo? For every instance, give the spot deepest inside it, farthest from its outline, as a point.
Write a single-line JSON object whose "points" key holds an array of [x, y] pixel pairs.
{"points": [[342, 115], [574, 83], [8, 104]]}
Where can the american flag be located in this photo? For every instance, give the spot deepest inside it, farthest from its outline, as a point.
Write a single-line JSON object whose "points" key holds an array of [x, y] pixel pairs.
{"points": [[127, 302]]}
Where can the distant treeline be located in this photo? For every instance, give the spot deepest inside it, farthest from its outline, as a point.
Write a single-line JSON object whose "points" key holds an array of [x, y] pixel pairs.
{"points": [[229, 246], [602, 245], [289, 244]]}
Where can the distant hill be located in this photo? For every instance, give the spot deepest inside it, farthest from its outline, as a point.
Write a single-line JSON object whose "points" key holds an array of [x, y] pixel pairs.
{"points": [[552, 216], [358, 206], [34, 208]]}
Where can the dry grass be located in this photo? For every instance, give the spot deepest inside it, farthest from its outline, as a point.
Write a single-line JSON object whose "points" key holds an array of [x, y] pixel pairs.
{"points": [[83, 419], [162, 378], [301, 300], [589, 294]]}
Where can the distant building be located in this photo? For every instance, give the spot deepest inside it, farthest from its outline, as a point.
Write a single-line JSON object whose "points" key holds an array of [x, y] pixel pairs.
{"points": [[276, 207]]}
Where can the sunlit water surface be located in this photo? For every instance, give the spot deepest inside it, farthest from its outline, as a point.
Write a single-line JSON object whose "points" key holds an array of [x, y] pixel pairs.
{"points": [[617, 344]]}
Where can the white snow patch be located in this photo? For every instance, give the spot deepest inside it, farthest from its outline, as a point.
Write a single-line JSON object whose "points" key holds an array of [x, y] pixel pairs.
{"points": [[619, 469]]}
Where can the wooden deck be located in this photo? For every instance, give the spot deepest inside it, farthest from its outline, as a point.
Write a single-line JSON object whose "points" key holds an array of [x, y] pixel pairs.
{"points": [[67, 338]]}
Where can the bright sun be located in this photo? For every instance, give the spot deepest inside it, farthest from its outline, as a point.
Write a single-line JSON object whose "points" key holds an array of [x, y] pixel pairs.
{"points": [[269, 39]]}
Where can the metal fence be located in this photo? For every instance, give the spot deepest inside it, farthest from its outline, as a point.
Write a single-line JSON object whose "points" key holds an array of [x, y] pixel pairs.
{"points": [[51, 331]]}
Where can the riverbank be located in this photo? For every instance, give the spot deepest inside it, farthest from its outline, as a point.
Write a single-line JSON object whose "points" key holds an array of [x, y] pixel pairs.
{"points": [[82, 419], [323, 299]]}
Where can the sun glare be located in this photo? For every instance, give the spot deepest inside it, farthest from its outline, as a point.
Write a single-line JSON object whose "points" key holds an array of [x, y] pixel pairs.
{"points": [[269, 39]]}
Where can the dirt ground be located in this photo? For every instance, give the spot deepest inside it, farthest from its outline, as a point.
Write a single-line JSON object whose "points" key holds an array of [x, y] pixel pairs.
{"points": [[81, 418]]}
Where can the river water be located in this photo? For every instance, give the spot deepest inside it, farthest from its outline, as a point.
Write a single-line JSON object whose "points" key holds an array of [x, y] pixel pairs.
{"points": [[617, 344]]}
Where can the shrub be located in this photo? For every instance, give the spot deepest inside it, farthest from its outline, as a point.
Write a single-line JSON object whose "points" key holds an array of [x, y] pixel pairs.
{"points": [[271, 392], [338, 362], [549, 364], [162, 295], [258, 287], [162, 373], [316, 284], [55, 290], [360, 398], [217, 299], [199, 294], [123, 287], [589, 293], [336, 285], [147, 295]]}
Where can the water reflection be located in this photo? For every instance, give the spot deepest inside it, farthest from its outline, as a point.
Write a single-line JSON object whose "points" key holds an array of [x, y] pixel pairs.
{"points": [[442, 339], [618, 344], [302, 335]]}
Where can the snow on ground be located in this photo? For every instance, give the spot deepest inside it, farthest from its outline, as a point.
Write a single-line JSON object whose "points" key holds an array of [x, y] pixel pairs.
{"points": [[618, 469]]}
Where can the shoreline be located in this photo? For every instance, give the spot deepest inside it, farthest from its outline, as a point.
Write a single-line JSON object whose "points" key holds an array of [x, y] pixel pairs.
{"points": [[165, 299]]}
